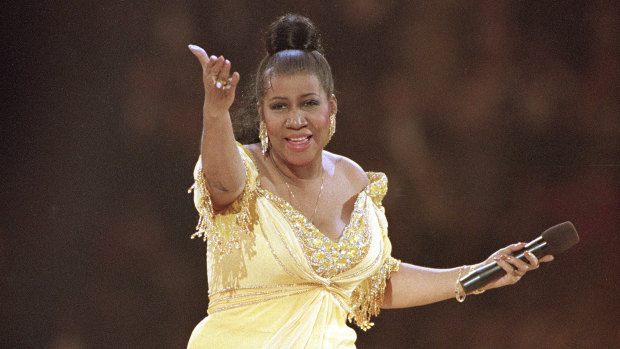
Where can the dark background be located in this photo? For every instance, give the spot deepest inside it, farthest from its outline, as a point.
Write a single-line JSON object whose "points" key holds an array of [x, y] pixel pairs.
{"points": [[492, 119]]}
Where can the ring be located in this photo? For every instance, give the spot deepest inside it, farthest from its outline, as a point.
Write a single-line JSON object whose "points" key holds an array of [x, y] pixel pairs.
{"points": [[219, 83]]}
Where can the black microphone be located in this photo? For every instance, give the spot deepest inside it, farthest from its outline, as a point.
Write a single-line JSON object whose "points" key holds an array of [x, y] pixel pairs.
{"points": [[554, 240]]}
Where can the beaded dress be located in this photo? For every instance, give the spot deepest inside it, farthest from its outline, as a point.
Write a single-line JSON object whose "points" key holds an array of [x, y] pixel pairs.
{"points": [[275, 281]]}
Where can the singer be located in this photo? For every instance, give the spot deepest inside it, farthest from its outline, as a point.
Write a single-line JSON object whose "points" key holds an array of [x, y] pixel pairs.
{"points": [[297, 240]]}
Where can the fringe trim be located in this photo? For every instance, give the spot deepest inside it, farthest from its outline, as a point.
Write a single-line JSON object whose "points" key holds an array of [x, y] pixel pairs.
{"points": [[223, 233], [367, 298]]}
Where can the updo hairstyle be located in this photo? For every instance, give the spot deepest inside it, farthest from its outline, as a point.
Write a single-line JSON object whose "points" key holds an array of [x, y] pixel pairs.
{"points": [[293, 46]]}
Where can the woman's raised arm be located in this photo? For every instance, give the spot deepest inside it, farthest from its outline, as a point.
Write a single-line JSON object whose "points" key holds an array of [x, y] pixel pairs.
{"points": [[221, 162]]}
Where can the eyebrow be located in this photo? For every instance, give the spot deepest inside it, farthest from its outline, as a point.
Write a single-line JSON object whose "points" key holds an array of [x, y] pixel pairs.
{"points": [[302, 96]]}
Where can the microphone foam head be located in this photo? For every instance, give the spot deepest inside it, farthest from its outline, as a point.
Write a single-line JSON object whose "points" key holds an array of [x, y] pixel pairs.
{"points": [[560, 238]]}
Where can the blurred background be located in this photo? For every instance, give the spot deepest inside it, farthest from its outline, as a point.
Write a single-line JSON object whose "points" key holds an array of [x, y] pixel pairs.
{"points": [[493, 121]]}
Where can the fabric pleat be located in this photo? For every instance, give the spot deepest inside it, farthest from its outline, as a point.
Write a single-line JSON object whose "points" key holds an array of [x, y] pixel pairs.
{"points": [[276, 282]]}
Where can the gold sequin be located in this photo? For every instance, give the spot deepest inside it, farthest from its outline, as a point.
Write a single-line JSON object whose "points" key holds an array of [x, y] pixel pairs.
{"points": [[223, 236], [329, 258], [326, 257], [367, 298]]}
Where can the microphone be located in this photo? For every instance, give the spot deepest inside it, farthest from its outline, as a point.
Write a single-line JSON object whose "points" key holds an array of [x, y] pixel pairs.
{"points": [[554, 240]]}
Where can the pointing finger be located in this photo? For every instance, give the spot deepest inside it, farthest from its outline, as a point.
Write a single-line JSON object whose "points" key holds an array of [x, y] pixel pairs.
{"points": [[200, 53]]}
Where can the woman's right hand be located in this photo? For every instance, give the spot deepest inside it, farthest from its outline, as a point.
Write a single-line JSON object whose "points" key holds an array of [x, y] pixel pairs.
{"points": [[219, 85]]}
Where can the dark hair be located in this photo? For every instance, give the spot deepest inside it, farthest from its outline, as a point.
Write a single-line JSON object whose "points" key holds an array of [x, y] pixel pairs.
{"points": [[293, 46]]}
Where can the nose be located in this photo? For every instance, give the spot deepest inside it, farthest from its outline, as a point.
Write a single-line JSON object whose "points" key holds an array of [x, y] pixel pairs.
{"points": [[296, 120]]}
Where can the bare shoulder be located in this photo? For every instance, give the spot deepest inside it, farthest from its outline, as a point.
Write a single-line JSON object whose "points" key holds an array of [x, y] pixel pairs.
{"points": [[259, 161], [256, 154], [346, 171], [254, 149]]}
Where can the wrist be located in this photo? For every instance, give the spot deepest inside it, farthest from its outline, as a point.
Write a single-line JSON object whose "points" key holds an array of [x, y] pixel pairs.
{"points": [[471, 269], [459, 291], [213, 114]]}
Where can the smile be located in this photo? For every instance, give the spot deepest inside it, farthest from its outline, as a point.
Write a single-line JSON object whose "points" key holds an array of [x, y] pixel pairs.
{"points": [[298, 139], [298, 143]]}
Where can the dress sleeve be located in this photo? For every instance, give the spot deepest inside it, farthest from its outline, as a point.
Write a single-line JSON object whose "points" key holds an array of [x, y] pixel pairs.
{"points": [[367, 298], [222, 228]]}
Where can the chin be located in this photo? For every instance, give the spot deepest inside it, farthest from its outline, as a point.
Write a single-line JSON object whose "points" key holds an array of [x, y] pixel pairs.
{"points": [[301, 158]]}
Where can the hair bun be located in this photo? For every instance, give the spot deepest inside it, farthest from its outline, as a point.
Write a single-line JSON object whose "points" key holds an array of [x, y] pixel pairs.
{"points": [[293, 32]]}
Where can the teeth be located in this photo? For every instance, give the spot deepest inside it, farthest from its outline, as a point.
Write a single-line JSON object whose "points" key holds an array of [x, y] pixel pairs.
{"points": [[298, 139]]}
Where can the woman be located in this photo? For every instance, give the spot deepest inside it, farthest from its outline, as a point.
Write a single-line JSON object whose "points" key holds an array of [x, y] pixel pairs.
{"points": [[297, 236]]}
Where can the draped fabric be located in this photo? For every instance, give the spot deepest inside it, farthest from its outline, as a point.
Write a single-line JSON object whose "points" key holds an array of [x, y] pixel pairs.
{"points": [[275, 281]]}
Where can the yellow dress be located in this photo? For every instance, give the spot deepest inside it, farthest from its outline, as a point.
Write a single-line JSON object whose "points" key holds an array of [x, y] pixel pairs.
{"points": [[275, 281]]}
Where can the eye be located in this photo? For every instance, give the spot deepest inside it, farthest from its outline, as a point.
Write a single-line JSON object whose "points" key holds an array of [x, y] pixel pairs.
{"points": [[312, 103], [277, 106]]}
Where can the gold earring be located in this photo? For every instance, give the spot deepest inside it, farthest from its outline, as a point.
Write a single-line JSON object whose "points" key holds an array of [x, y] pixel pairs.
{"points": [[264, 138], [332, 126]]}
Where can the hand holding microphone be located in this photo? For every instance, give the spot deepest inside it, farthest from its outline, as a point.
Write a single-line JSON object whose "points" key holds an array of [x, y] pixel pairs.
{"points": [[521, 257]]}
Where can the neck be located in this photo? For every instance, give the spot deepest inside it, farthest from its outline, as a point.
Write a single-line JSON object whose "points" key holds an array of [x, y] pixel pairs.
{"points": [[295, 173]]}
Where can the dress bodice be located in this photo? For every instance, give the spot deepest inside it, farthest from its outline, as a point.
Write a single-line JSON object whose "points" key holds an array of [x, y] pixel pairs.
{"points": [[292, 284]]}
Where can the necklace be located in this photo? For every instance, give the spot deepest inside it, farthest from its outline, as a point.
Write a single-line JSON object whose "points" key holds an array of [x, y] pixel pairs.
{"points": [[290, 192]]}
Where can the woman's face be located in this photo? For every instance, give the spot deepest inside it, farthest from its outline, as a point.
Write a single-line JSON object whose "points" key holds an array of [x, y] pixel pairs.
{"points": [[296, 110]]}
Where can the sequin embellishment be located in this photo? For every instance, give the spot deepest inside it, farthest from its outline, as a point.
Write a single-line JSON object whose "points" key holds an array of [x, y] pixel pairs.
{"points": [[329, 258], [367, 298], [223, 235]]}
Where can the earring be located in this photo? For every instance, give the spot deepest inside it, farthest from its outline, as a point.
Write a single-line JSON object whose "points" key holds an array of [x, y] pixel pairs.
{"points": [[332, 126], [264, 138]]}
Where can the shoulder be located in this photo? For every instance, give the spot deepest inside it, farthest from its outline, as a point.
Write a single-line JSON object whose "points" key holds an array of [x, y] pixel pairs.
{"points": [[255, 155], [252, 149], [348, 170], [251, 153]]}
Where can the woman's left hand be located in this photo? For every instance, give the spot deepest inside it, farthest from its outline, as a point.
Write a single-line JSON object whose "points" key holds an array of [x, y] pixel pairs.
{"points": [[514, 267]]}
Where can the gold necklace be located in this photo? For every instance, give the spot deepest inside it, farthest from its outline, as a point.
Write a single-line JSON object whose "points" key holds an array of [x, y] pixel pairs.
{"points": [[290, 192]]}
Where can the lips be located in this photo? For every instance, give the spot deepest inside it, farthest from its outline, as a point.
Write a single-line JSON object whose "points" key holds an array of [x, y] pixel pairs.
{"points": [[298, 142], [298, 139]]}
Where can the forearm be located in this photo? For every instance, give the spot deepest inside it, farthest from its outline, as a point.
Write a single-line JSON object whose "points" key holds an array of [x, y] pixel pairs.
{"points": [[413, 285], [221, 162]]}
